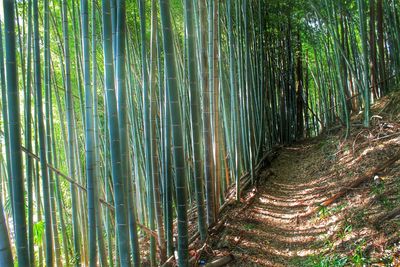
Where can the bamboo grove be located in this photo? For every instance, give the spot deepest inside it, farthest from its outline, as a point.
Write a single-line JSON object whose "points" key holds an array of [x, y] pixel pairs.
{"points": [[126, 125]]}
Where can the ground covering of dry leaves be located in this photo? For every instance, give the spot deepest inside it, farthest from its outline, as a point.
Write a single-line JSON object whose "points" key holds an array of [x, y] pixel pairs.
{"points": [[281, 221]]}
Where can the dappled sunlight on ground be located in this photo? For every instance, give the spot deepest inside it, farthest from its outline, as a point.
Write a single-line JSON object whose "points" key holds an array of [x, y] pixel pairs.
{"points": [[282, 222], [284, 225]]}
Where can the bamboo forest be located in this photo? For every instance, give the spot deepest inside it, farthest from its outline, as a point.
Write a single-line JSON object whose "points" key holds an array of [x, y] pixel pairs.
{"points": [[199, 133]]}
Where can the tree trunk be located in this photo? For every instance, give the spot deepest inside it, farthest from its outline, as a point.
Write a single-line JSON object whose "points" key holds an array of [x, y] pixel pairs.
{"points": [[382, 68], [372, 48], [299, 96]]}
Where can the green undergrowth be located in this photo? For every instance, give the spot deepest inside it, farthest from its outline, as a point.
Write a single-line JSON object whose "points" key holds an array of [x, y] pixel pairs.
{"points": [[357, 257]]}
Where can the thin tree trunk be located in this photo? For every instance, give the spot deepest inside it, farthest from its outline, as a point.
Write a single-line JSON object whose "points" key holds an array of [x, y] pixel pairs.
{"points": [[372, 49], [6, 258], [179, 159], [114, 136], [42, 140], [195, 117], [71, 139], [381, 49], [123, 122], [146, 133], [153, 133], [299, 95], [89, 137], [28, 137], [363, 27]]}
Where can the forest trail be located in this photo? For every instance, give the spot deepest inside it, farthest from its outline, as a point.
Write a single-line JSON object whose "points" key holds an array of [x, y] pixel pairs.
{"points": [[280, 222], [271, 230]]}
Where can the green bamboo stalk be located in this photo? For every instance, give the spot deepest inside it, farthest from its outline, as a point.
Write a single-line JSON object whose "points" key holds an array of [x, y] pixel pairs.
{"points": [[195, 117], [248, 87], [20, 46], [115, 148], [6, 258], [97, 150], [234, 139], [206, 85], [37, 174], [70, 133], [153, 134], [146, 128], [5, 118], [243, 161], [179, 160], [168, 178], [363, 31], [89, 136], [48, 107], [77, 33], [50, 145], [59, 199], [134, 179], [42, 141], [28, 136], [123, 120]]}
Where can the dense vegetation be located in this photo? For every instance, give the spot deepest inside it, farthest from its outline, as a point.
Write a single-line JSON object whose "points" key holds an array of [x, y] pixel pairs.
{"points": [[121, 119]]}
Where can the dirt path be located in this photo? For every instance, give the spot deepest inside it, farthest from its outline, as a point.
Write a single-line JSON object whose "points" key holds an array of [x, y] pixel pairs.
{"points": [[271, 229]]}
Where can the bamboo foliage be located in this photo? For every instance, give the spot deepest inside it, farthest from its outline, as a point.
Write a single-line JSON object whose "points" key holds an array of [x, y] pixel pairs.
{"points": [[139, 141]]}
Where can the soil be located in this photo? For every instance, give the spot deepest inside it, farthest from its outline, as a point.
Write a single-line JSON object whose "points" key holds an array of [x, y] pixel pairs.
{"points": [[281, 223]]}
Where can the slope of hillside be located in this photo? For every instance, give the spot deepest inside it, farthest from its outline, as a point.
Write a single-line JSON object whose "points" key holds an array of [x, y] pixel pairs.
{"points": [[327, 201]]}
